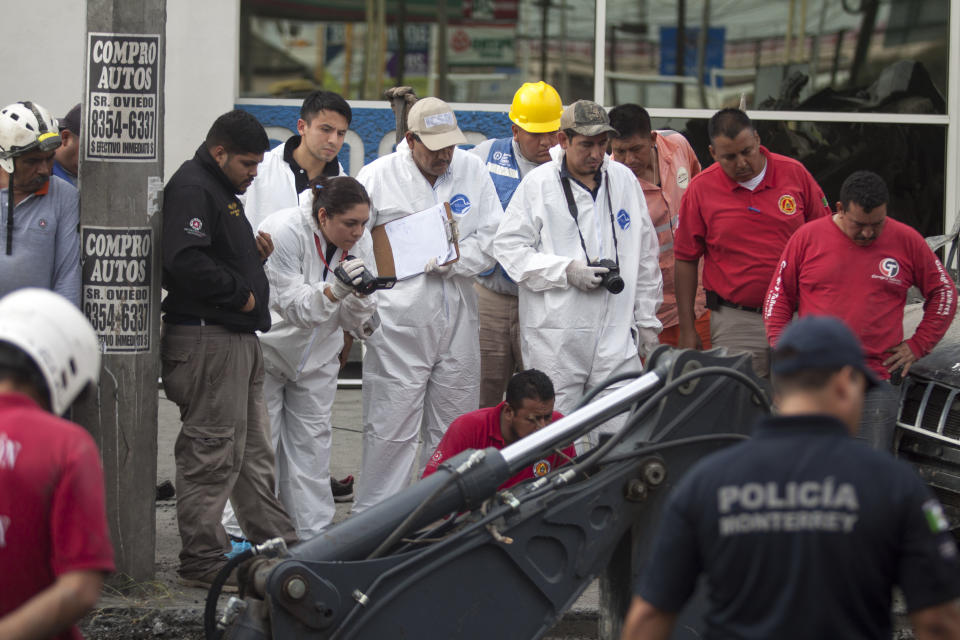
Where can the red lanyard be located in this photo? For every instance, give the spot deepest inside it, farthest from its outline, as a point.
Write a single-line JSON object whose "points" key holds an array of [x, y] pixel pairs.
{"points": [[316, 241]]}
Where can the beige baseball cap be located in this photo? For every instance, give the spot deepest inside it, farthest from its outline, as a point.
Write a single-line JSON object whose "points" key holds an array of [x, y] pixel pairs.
{"points": [[586, 118], [435, 124]]}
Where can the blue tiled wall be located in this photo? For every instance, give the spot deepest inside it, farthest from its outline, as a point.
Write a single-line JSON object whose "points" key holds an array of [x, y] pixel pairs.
{"points": [[372, 124]]}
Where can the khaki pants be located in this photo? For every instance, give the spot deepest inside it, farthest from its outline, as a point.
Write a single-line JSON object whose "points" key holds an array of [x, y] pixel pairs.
{"points": [[499, 343], [741, 331], [223, 452]]}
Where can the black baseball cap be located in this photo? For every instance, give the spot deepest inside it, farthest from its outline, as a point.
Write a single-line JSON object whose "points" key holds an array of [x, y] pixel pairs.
{"points": [[819, 342], [71, 121]]}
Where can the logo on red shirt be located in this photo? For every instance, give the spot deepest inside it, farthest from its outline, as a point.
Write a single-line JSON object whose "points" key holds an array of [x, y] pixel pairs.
{"points": [[889, 267], [787, 204], [541, 468], [9, 450]]}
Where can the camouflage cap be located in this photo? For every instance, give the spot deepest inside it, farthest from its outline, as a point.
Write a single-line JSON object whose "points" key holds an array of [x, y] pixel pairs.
{"points": [[586, 118]]}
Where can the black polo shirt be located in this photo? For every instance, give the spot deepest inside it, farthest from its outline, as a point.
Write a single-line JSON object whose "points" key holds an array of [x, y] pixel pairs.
{"points": [[801, 532], [300, 177], [597, 178]]}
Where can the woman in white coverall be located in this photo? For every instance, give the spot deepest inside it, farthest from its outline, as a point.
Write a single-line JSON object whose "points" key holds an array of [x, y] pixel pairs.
{"points": [[421, 371], [310, 308]]}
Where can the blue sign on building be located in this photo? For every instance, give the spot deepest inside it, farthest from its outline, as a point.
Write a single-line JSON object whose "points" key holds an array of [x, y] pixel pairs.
{"points": [[716, 37]]}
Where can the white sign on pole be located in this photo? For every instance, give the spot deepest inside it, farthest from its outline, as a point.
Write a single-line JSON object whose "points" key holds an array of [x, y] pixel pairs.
{"points": [[122, 97]]}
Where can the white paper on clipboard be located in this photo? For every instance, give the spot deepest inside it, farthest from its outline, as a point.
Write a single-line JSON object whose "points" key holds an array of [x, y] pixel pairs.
{"points": [[423, 236]]}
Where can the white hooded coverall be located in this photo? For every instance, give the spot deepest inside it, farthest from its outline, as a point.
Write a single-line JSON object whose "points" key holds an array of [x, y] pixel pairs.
{"points": [[579, 338], [301, 360], [273, 189], [421, 370]]}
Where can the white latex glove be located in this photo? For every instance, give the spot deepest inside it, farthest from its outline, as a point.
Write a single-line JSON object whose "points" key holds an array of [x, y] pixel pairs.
{"points": [[647, 340], [354, 269], [440, 270], [583, 276], [371, 325]]}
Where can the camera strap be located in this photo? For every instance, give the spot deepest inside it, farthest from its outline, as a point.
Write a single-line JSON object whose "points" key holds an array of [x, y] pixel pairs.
{"points": [[572, 206], [331, 249]]}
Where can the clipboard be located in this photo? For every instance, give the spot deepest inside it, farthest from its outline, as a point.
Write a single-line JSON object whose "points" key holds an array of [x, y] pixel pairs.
{"points": [[403, 246]]}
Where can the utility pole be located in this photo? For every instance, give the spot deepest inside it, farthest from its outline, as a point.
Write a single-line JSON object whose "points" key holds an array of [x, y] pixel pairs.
{"points": [[121, 178]]}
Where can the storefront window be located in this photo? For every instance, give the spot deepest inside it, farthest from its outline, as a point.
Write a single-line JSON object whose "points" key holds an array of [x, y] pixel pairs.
{"points": [[460, 50], [909, 157], [820, 55]]}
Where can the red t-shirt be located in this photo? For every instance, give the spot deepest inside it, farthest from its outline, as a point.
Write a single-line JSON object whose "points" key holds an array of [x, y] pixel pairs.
{"points": [[741, 233], [823, 272], [52, 514], [481, 429]]}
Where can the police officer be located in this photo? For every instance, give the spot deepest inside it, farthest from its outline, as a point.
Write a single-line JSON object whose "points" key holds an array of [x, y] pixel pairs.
{"points": [[802, 511], [535, 114]]}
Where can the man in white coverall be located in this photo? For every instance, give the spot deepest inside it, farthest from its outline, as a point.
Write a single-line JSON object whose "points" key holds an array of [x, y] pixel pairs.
{"points": [[535, 114], [572, 326], [421, 370], [310, 309], [287, 169]]}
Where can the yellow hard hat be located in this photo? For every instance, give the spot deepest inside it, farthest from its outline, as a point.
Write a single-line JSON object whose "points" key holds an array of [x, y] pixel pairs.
{"points": [[536, 108]]}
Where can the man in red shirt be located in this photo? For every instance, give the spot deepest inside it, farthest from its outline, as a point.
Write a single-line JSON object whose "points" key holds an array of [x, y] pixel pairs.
{"points": [[738, 215], [528, 408], [54, 541], [858, 266], [664, 163]]}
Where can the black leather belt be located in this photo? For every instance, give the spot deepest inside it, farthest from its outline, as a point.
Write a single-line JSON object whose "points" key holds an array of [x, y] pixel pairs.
{"points": [[188, 321], [714, 301]]}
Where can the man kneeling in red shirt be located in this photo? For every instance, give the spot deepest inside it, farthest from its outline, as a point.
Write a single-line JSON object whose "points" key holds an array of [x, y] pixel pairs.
{"points": [[528, 408]]}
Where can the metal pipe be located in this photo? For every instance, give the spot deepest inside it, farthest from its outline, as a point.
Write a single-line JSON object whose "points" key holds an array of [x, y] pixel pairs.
{"points": [[815, 56], [679, 90], [599, 51], [702, 52], [788, 45], [802, 33], [523, 451]]}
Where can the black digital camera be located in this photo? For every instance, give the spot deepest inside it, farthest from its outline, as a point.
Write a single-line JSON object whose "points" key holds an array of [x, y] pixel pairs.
{"points": [[611, 280], [368, 282]]}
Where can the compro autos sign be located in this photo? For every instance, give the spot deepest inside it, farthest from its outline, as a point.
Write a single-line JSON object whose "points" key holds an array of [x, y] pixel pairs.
{"points": [[122, 97]]}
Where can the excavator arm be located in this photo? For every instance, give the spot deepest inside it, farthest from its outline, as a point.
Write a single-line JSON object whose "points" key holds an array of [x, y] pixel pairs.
{"points": [[453, 557]]}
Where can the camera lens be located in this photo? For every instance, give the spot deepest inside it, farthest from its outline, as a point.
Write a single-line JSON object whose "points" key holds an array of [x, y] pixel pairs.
{"points": [[613, 282]]}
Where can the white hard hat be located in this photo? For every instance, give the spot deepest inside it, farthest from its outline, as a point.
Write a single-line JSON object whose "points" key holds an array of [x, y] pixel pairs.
{"points": [[25, 127], [57, 337]]}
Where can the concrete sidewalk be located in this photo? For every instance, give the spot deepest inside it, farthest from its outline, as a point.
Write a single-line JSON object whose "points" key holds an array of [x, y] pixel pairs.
{"points": [[165, 609]]}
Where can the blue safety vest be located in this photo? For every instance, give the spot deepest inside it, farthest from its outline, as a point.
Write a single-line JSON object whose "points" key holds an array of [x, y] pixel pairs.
{"points": [[505, 173], [503, 168]]}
